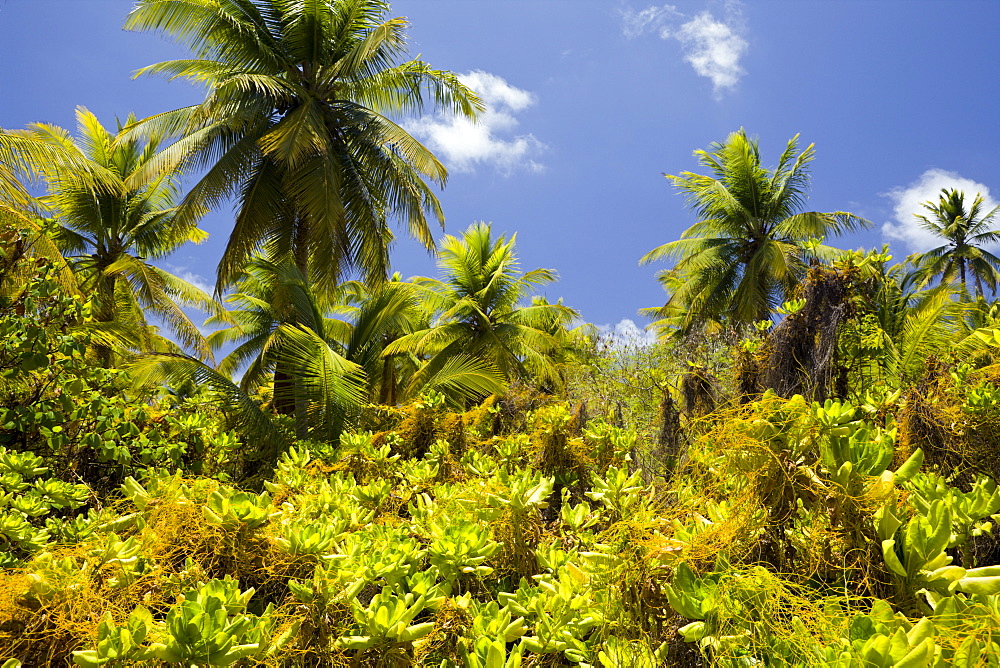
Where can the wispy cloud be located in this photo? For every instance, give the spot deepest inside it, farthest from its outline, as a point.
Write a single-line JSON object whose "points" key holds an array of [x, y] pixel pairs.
{"points": [[713, 47], [908, 200], [185, 274], [637, 22], [492, 139], [626, 333], [197, 281]]}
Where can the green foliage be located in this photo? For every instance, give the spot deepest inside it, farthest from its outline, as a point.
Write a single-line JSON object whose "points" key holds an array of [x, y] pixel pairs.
{"points": [[493, 628], [73, 413], [387, 620], [359, 553], [117, 643], [208, 627], [621, 504], [234, 511], [461, 550]]}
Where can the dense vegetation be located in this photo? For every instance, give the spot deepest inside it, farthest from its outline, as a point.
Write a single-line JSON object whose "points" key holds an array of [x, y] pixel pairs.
{"points": [[453, 471]]}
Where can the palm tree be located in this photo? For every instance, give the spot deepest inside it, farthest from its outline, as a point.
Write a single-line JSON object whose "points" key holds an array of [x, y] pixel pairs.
{"points": [[478, 313], [296, 125], [380, 315], [575, 340], [751, 244], [20, 156], [966, 231], [280, 331], [278, 312], [109, 232], [267, 295], [377, 316]]}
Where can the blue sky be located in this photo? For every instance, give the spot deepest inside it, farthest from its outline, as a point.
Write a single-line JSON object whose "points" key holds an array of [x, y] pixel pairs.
{"points": [[591, 101]]}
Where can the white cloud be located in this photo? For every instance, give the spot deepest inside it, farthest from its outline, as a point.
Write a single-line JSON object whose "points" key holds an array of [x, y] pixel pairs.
{"points": [[714, 50], [463, 144], [908, 201], [713, 47], [626, 333]]}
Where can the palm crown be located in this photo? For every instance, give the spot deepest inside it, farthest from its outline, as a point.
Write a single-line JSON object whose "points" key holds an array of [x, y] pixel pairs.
{"points": [[477, 308], [751, 243], [296, 125], [109, 229], [281, 326], [966, 231]]}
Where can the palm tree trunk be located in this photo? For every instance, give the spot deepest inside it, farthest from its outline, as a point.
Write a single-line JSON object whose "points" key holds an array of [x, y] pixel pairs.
{"points": [[387, 391], [283, 399], [300, 247], [296, 402], [105, 313]]}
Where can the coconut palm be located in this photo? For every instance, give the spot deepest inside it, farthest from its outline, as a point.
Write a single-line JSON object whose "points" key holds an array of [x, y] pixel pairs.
{"points": [[378, 315], [279, 329], [267, 296], [354, 323], [752, 243], [966, 231], [478, 312], [296, 126], [898, 324], [109, 233], [20, 157], [575, 340]]}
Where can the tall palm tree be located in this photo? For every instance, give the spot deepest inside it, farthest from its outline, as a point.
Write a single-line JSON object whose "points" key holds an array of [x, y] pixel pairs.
{"points": [[478, 312], [110, 232], [752, 243], [966, 231], [296, 125]]}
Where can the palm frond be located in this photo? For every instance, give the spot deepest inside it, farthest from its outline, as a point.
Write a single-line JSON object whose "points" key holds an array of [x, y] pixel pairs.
{"points": [[330, 385], [243, 414]]}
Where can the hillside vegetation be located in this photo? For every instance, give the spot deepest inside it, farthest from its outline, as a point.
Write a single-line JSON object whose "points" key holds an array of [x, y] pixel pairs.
{"points": [[453, 470]]}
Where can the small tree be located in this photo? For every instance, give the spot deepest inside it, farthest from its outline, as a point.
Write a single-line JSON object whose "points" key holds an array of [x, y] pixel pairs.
{"points": [[477, 304]]}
